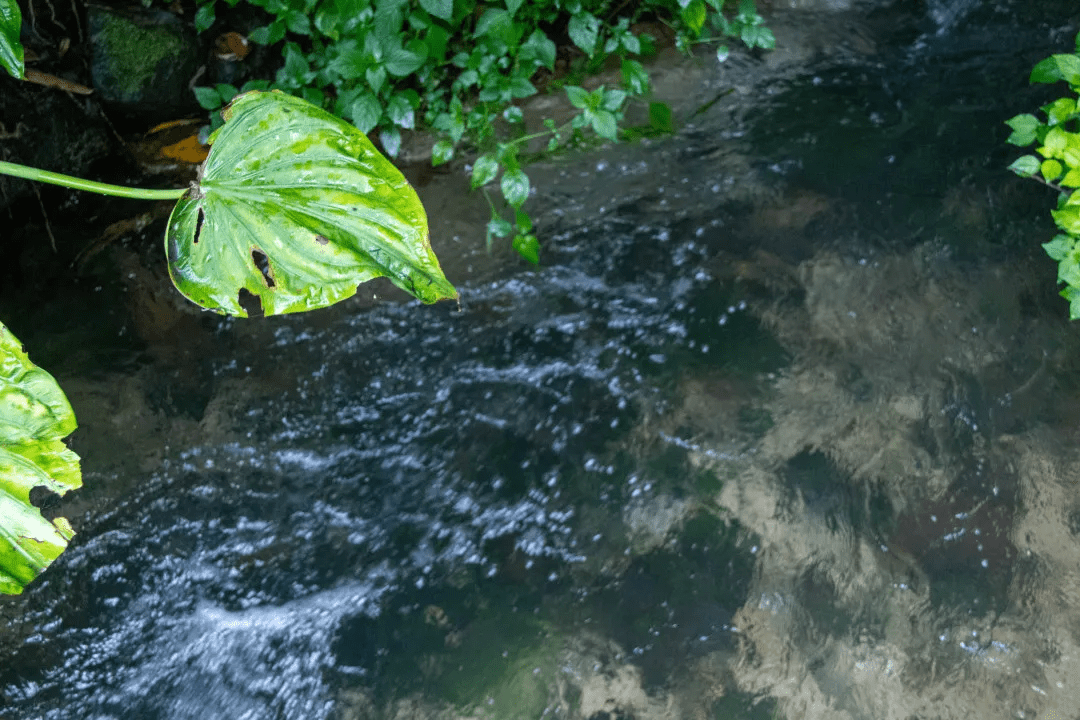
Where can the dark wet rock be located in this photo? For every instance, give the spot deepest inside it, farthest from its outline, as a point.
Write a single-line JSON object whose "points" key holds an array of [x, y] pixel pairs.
{"points": [[143, 61]]}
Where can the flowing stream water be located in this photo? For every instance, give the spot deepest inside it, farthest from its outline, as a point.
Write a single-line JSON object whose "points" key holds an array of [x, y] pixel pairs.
{"points": [[786, 426]]}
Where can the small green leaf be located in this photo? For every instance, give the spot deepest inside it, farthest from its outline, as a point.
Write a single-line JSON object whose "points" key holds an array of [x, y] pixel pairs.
{"points": [[722, 53], [296, 207], [693, 14], [35, 417], [1068, 219], [376, 77], [1046, 71], [1026, 166], [584, 30], [442, 152], [484, 170], [1060, 247], [660, 117], [515, 187], [1051, 170], [520, 87], [613, 99], [207, 98], [1071, 179], [400, 111], [268, 34], [513, 5], [442, 9], [522, 221], [391, 141], [1060, 111], [407, 60], [1055, 143], [528, 247], [1024, 127], [204, 17], [603, 122], [11, 49], [758, 36], [538, 48], [366, 112], [513, 114], [635, 78], [579, 96]]}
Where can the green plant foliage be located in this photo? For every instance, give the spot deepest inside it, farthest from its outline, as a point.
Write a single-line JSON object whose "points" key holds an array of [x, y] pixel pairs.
{"points": [[34, 418], [11, 50], [1057, 164], [296, 207], [459, 67]]}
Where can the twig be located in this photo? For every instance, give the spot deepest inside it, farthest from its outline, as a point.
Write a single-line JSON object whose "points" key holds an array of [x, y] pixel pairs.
{"points": [[48, 228]]}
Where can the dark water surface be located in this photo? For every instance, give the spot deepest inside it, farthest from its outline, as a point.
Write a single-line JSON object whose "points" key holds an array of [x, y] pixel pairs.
{"points": [[786, 426]]}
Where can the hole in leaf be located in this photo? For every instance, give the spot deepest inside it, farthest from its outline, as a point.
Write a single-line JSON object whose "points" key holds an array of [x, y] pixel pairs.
{"points": [[263, 263], [198, 226], [252, 304], [322, 239], [43, 498]]}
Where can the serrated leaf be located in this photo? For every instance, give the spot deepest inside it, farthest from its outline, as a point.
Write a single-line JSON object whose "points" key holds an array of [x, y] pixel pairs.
{"points": [[442, 152], [34, 418], [366, 112], [538, 48], [407, 60], [515, 187], [603, 122], [1026, 166], [484, 170], [296, 207], [400, 111], [634, 77], [584, 30], [11, 49], [442, 9], [579, 96]]}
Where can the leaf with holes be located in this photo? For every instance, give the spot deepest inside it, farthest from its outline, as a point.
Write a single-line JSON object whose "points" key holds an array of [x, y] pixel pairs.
{"points": [[35, 417], [296, 208], [11, 50]]}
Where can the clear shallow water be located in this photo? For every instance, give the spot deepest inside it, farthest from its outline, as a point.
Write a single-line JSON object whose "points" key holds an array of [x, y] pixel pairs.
{"points": [[778, 432]]}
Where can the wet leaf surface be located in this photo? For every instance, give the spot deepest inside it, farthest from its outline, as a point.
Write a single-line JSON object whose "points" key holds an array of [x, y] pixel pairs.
{"points": [[296, 207]]}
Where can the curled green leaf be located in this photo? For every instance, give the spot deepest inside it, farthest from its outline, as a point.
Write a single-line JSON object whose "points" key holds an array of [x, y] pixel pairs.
{"points": [[296, 208], [34, 418]]}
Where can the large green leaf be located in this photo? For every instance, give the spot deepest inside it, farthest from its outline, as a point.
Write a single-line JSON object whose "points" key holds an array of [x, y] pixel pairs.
{"points": [[297, 207], [34, 418], [11, 51]]}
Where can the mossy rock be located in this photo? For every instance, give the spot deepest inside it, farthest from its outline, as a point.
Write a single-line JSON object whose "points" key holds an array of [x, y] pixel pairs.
{"points": [[143, 61]]}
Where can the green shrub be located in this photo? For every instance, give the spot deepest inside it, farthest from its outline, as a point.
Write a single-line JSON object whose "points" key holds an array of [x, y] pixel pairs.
{"points": [[459, 68], [1057, 164]]}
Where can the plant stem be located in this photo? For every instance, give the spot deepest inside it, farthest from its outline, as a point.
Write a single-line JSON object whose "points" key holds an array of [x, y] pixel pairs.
{"points": [[29, 173]]}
